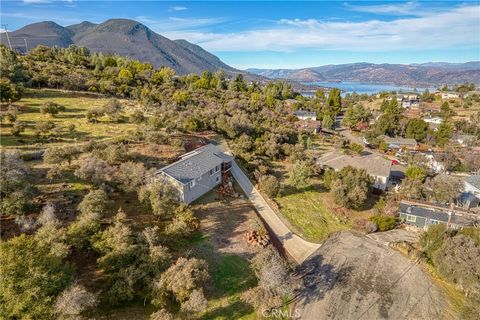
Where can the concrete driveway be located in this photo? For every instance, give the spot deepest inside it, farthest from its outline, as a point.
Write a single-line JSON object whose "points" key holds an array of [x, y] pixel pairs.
{"points": [[294, 246]]}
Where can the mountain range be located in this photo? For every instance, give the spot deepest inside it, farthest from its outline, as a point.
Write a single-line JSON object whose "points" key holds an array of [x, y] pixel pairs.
{"points": [[123, 37], [425, 74], [134, 40]]}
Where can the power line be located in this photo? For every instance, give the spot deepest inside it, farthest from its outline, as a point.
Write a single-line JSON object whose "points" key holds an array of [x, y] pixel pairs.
{"points": [[8, 37]]}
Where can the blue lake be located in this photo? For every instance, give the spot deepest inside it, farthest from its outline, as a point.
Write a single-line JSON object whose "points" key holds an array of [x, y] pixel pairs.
{"points": [[362, 87]]}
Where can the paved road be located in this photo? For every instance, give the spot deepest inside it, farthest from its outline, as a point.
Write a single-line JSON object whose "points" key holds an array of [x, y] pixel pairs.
{"points": [[295, 246]]}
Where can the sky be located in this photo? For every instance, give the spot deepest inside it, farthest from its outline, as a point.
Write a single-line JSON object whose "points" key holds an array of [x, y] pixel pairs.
{"points": [[287, 34]]}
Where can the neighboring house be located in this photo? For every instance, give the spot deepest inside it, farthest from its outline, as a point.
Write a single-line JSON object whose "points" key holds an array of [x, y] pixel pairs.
{"points": [[375, 165], [305, 115], [472, 184], [433, 120], [450, 95], [410, 104], [197, 172], [423, 216], [406, 100], [399, 142], [308, 126]]}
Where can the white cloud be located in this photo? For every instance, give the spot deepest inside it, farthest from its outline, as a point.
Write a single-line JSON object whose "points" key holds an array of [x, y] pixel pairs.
{"points": [[392, 9], [36, 1], [178, 24], [458, 27], [177, 8]]}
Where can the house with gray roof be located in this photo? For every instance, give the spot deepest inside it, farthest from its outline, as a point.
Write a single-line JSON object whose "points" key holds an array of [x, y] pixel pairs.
{"points": [[399, 142], [424, 216], [305, 115], [472, 184], [375, 165], [197, 172]]}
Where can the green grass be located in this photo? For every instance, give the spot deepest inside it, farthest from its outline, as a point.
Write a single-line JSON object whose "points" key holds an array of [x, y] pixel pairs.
{"points": [[309, 216], [230, 276], [233, 275], [76, 105]]}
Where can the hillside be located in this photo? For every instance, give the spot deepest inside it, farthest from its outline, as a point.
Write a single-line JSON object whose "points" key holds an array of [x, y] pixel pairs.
{"points": [[123, 37], [399, 74]]}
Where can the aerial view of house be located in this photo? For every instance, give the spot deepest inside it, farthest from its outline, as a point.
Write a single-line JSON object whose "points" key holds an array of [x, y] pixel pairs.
{"points": [[198, 171], [375, 165], [228, 160], [422, 216], [399, 142]]}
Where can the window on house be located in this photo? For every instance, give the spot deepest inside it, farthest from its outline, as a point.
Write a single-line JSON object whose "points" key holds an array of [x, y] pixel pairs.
{"points": [[411, 218], [217, 168], [192, 183], [217, 179], [212, 171]]}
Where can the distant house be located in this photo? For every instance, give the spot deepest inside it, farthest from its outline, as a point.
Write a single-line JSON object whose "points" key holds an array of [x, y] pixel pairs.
{"points": [[450, 95], [399, 142], [433, 120], [376, 166], [406, 100], [308, 126], [197, 172], [305, 115], [410, 104], [424, 216]]}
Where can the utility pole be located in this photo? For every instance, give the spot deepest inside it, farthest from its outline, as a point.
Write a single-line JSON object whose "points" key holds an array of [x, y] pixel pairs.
{"points": [[26, 45], [8, 38]]}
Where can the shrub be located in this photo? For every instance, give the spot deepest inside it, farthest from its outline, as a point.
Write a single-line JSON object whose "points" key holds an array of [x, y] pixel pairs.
{"points": [[300, 175], [181, 280], [73, 301], [383, 222], [51, 108], [270, 185], [350, 187]]}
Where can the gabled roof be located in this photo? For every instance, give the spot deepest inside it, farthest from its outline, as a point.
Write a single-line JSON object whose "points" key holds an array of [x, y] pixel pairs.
{"points": [[425, 212], [399, 141], [473, 181], [196, 163], [375, 165]]}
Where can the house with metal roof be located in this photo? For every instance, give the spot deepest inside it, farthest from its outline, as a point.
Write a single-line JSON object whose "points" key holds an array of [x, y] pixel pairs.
{"points": [[197, 172], [375, 165], [424, 216]]}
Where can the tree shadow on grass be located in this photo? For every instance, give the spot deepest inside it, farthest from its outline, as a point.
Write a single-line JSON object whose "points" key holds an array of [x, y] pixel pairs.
{"points": [[288, 190], [234, 310]]}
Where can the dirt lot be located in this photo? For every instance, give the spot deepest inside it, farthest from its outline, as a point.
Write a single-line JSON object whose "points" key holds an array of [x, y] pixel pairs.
{"points": [[226, 222], [355, 277]]}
